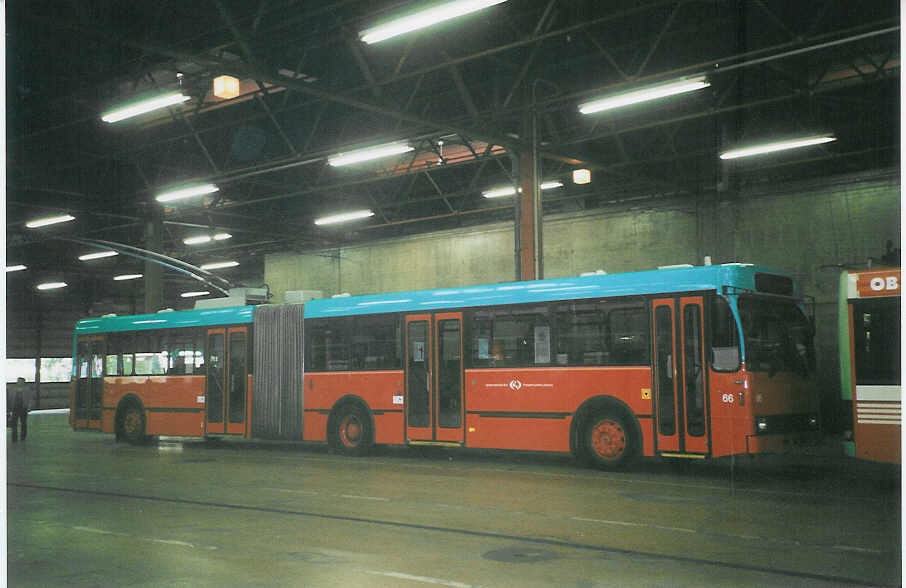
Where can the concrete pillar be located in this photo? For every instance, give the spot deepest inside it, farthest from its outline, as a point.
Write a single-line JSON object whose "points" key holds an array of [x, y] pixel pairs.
{"points": [[154, 241]]}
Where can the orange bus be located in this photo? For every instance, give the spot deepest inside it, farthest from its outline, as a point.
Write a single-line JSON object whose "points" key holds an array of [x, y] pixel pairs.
{"points": [[869, 342], [694, 362]]}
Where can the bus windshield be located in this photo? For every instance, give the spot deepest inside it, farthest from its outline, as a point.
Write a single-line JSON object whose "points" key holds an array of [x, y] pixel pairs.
{"points": [[778, 337]]}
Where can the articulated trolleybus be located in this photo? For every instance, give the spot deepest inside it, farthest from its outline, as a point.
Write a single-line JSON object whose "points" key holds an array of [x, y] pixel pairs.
{"points": [[869, 342], [686, 361]]}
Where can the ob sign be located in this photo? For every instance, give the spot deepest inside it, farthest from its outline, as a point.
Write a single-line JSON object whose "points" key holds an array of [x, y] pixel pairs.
{"points": [[880, 283]]}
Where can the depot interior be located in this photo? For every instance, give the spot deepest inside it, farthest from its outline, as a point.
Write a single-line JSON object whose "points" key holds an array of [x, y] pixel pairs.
{"points": [[513, 151]]}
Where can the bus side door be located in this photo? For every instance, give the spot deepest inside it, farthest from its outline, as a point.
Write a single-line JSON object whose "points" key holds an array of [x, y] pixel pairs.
{"points": [[434, 396], [226, 381], [681, 410], [89, 389]]}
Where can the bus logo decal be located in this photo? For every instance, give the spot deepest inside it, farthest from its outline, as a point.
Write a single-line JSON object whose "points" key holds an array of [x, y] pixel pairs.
{"points": [[515, 384]]}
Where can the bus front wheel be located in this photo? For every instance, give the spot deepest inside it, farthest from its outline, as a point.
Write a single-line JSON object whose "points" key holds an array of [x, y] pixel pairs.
{"points": [[352, 430], [132, 424], [609, 442]]}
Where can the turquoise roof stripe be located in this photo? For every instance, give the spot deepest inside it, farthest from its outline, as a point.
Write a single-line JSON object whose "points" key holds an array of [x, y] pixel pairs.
{"points": [[663, 281], [678, 279], [167, 320]]}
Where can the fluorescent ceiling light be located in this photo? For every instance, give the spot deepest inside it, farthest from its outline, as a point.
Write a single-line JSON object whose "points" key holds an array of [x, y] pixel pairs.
{"points": [[43, 222], [343, 217], [369, 154], [777, 146], [52, 285], [194, 294], [98, 255], [423, 19], [186, 192], [127, 277], [15, 268], [219, 265], [499, 192], [644, 94], [144, 106], [206, 238], [510, 190]]}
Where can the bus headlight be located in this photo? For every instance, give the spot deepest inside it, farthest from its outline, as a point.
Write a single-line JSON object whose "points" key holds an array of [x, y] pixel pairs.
{"points": [[812, 422], [761, 424]]}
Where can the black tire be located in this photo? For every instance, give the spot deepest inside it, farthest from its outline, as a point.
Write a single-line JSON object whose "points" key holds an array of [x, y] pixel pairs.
{"points": [[608, 440], [351, 432], [132, 424]]}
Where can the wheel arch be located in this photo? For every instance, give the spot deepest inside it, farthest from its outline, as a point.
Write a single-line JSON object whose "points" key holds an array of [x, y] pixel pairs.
{"points": [[343, 402], [598, 404]]}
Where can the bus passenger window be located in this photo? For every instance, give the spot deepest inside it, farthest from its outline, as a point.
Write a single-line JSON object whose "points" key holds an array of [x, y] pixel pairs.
{"points": [[329, 345], [113, 368], [374, 344], [582, 335], [628, 327], [113, 363]]}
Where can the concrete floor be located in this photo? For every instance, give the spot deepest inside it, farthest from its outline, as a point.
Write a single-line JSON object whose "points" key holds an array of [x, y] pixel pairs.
{"points": [[86, 511]]}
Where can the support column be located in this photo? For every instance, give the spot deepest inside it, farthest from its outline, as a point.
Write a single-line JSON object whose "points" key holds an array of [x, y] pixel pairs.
{"points": [[528, 198], [529, 220], [154, 241]]}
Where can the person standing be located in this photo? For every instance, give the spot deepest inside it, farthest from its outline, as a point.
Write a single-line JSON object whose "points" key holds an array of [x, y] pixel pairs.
{"points": [[21, 404]]}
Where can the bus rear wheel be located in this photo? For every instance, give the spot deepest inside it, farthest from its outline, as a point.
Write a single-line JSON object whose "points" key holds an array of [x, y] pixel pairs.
{"points": [[609, 442], [352, 433]]}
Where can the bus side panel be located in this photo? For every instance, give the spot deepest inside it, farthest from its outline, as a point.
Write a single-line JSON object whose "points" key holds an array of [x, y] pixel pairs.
{"points": [[382, 391], [877, 442], [731, 420], [519, 432], [533, 408], [174, 405]]}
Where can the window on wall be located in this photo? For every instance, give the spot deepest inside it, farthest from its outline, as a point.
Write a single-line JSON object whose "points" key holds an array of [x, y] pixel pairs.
{"points": [[511, 337], [53, 369], [20, 368], [56, 369]]}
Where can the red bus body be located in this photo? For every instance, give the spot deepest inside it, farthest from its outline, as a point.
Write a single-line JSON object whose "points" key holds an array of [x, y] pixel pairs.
{"points": [[644, 374]]}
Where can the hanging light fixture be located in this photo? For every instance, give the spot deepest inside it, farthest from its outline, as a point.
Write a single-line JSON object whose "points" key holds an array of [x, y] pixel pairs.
{"points": [[343, 217], [226, 87], [143, 106], [219, 265], [424, 18], [763, 148], [644, 94], [369, 154], [186, 192], [52, 220]]}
